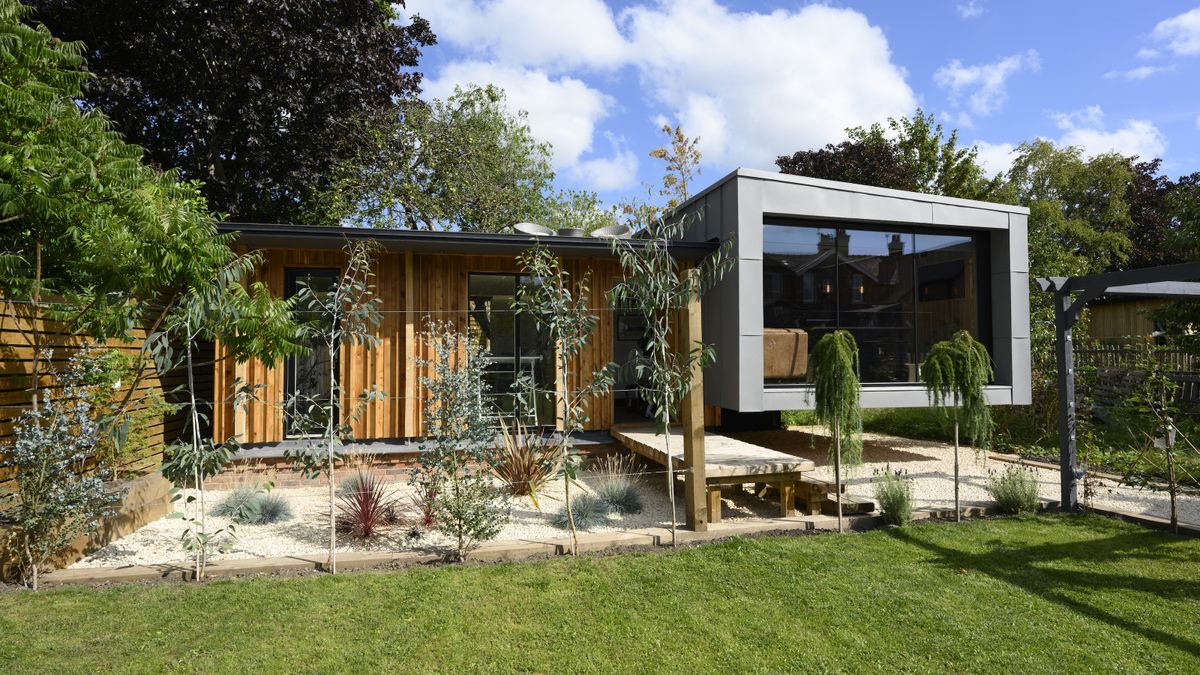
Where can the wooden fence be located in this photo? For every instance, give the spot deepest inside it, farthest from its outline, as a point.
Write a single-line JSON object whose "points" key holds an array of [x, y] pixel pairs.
{"points": [[17, 322]]}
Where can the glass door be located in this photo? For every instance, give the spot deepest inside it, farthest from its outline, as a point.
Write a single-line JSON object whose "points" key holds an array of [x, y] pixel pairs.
{"points": [[307, 382], [518, 350]]}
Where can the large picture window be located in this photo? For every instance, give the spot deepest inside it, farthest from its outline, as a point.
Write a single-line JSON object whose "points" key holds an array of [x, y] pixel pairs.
{"points": [[516, 347], [897, 290]]}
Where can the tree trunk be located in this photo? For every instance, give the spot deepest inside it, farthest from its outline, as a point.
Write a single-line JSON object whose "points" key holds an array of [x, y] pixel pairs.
{"points": [[333, 392], [201, 551], [36, 296], [33, 566], [566, 448], [1172, 484], [666, 415], [837, 470], [957, 506]]}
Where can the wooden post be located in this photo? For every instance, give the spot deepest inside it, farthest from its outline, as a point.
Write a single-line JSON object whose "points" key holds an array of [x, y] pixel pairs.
{"points": [[408, 350], [692, 417], [1065, 315]]}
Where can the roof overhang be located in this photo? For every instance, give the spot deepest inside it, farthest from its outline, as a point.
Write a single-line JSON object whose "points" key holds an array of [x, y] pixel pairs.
{"points": [[265, 235]]}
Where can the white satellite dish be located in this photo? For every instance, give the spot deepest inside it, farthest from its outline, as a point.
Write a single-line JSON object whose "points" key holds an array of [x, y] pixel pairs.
{"points": [[612, 232], [534, 229]]}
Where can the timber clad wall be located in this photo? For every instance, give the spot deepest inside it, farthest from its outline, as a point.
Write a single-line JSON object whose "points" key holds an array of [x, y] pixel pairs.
{"points": [[1122, 318], [414, 288], [16, 357]]}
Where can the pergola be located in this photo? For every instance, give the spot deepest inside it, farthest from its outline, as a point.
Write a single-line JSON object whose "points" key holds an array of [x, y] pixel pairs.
{"points": [[1071, 294]]}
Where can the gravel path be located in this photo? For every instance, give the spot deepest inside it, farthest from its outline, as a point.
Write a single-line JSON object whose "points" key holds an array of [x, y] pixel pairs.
{"points": [[930, 465]]}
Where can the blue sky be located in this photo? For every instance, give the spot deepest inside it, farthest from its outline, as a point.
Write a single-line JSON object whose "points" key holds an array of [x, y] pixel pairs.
{"points": [[757, 79]]}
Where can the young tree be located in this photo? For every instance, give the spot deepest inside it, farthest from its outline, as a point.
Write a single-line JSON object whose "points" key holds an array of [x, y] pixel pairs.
{"points": [[259, 99], [459, 163], [833, 371], [467, 505], [562, 310], [249, 324], [345, 314], [955, 372], [59, 498]]}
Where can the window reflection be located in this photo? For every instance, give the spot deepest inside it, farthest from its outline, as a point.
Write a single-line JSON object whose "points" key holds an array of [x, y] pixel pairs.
{"points": [[897, 291]]}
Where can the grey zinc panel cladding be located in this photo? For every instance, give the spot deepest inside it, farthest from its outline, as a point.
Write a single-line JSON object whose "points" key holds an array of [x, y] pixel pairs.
{"points": [[1022, 365], [750, 374], [961, 216], [786, 199], [1018, 242], [800, 398]]}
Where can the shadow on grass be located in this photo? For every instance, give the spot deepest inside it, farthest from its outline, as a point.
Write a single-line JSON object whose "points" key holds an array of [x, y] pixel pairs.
{"points": [[1028, 568]]}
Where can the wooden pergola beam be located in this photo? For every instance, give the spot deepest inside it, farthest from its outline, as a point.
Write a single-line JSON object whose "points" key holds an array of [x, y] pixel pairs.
{"points": [[692, 417]]}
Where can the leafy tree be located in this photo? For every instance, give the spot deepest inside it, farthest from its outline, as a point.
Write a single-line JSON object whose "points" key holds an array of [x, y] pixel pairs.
{"points": [[344, 315], [460, 163], [562, 311], [1149, 199], [912, 154], [457, 470], [579, 209], [833, 371], [259, 99], [955, 372]]}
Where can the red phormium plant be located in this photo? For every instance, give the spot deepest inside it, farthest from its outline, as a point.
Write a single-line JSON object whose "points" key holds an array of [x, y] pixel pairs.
{"points": [[526, 461], [423, 500], [365, 507]]}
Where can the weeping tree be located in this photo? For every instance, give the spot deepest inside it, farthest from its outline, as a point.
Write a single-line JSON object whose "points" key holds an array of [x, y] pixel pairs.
{"points": [[654, 286], [833, 371], [955, 373], [343, 315], [561, 309]]}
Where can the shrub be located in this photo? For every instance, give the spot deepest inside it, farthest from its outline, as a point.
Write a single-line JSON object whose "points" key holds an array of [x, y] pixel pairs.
{"points": [[240, 506], [894, 494], [617, 484], [589, 511], [273, 508], [366, 507], [1014, 490], [56, 500], [526, 461]]}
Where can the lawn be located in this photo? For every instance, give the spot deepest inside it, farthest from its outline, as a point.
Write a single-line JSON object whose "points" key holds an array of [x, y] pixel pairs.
{"points": [[1035, 594]]}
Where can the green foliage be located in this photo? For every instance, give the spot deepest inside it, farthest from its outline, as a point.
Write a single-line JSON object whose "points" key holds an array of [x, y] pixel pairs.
{"points": [[455, 472], [833, 371], [895, 496], [955, 373], [59, 497], [1014, 490], [578, 209], [913, 154], [587, 512], [461, 163], [258, 99]]}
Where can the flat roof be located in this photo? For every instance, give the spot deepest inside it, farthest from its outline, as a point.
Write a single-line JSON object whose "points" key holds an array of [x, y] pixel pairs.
{"points": [[776, 177], [286, 235]]}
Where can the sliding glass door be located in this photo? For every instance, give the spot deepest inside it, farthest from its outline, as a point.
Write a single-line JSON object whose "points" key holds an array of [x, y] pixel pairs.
{"points": [[518, 350]]}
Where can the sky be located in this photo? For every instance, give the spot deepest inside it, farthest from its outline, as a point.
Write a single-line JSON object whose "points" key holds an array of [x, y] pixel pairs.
{"points": [[754, 80]]}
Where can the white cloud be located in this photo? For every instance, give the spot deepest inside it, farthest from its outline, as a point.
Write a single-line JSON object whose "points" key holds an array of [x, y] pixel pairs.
{"points": [[1085, 129], [1147, 53], [550, 34], [618, 172], [1180, 34], [995, 157], [984, 84], [969, 10], [562, 110], [753, 86], [1139, 73]]}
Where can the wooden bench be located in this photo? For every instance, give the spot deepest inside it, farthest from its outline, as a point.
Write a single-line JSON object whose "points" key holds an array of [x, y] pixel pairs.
{"points": [[818, 496], [728, 462]]}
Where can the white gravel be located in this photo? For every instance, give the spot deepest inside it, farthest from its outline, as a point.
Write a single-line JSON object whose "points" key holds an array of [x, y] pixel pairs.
{"points": [[929, 465]]}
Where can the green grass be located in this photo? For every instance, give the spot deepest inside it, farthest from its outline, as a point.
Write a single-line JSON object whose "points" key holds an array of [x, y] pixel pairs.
{"points": [[1032, 594]]}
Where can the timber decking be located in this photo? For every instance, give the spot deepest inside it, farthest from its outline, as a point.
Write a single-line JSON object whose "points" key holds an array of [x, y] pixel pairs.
{"points": [[728, 461]]}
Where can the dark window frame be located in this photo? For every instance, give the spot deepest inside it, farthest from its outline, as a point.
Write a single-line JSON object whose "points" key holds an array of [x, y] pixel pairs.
{"points": [[290, 277]]}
